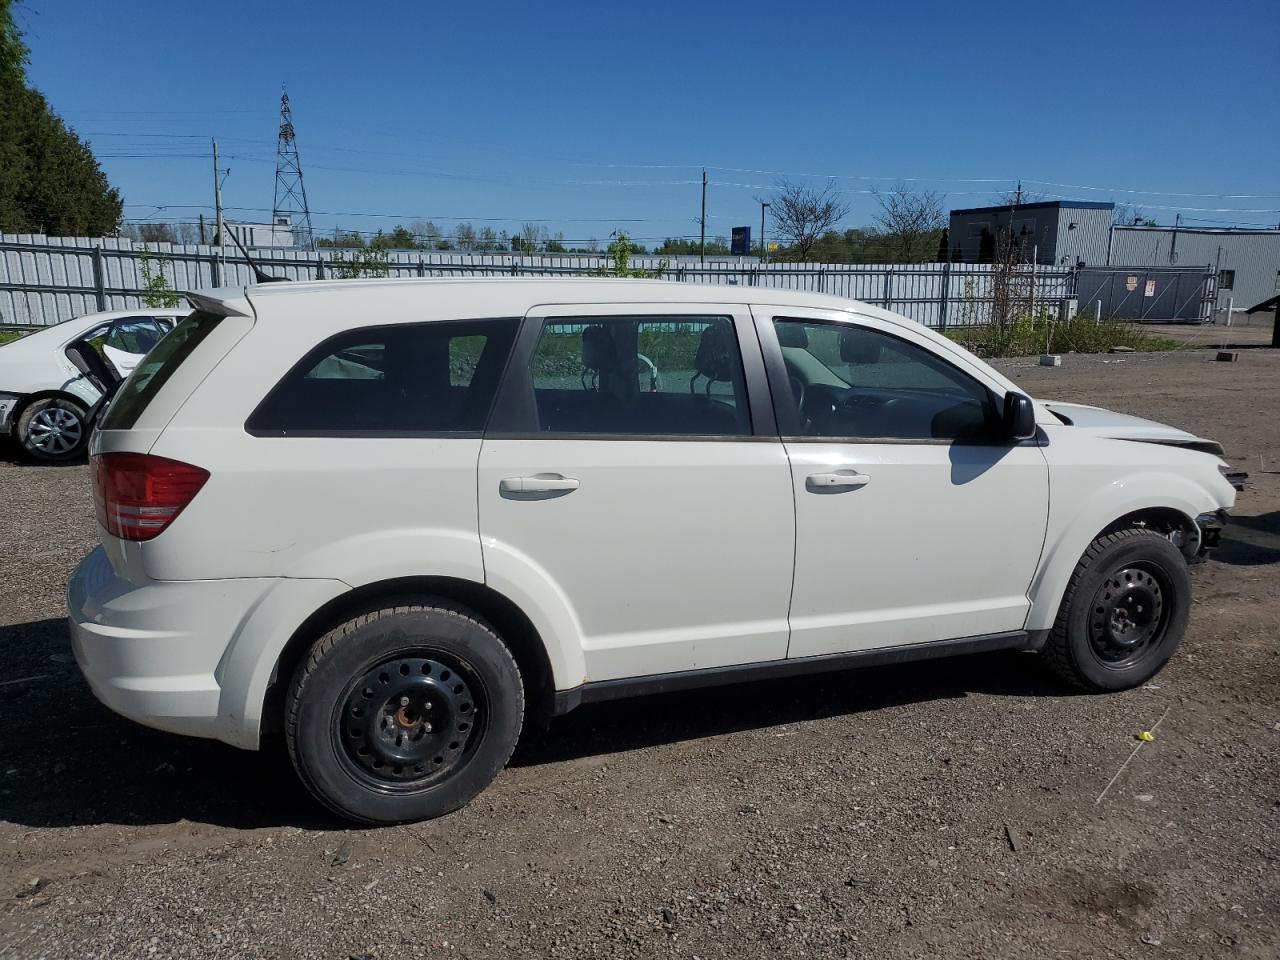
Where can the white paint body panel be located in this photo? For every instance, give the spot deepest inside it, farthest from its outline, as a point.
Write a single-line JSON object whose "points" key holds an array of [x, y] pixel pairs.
{"points": [[670, 555]]}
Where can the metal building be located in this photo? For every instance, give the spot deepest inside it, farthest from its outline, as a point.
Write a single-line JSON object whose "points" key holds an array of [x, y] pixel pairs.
{"points": [[1246, 262], [1063, 232]]}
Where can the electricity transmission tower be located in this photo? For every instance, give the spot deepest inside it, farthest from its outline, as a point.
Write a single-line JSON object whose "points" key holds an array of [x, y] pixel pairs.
{"points": [[290, 206]]}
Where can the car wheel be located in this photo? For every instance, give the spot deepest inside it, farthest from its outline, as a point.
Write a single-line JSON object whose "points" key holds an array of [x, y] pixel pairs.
{"points": [[53, 429], [1123, 614], [404, 713]]}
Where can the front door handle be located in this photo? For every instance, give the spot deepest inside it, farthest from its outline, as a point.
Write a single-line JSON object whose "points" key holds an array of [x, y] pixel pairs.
{"points": [[835, 482], [541, 486]]}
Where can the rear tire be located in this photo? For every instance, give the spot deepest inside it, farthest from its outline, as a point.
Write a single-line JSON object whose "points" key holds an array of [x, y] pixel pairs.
{"points": [[53, 429], [404, 713], [1123, 614]]}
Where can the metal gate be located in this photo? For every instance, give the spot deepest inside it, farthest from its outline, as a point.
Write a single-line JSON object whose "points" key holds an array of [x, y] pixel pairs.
{"points": [[1147, 293]]}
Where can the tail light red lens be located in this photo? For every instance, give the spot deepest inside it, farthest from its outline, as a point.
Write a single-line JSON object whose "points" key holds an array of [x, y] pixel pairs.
{"points": [[137, 495]]}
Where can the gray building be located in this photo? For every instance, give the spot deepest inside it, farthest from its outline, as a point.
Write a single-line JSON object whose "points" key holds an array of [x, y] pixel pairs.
{"points": [[1246, 262], [1062, 232]]}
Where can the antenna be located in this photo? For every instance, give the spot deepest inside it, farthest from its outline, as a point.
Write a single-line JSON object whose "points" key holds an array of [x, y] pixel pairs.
{"points": [[290, 203], [259, 274]]}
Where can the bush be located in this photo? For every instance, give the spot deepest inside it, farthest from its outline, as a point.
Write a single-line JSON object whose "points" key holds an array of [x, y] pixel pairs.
{"points": [[1030, 336]]}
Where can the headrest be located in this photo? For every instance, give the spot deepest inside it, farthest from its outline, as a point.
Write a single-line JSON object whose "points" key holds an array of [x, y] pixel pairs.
{"points": [[792, 334], [859, 346], [715, 352], [598, 350]]}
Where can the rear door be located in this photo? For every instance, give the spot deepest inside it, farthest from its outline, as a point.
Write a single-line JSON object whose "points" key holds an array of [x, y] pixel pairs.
{"points": [[915, 520], [632, 471]]}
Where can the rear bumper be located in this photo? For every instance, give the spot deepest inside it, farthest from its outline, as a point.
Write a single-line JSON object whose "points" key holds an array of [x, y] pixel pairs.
{"points": [[159, 652]]}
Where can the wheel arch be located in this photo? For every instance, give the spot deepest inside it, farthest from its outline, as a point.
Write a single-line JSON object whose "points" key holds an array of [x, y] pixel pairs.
{"points": [[1170, 512], [511, 623], [27, 399]]}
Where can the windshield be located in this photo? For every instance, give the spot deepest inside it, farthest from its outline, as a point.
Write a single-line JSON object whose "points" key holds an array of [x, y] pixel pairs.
{"points": [[156, 369]]}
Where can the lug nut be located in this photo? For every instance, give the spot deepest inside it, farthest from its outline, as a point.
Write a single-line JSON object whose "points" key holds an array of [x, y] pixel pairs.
{"points": [[404, 701]]}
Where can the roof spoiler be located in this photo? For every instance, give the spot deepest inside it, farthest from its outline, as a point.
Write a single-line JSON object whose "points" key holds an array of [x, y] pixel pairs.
{"points": [[224, 301]]}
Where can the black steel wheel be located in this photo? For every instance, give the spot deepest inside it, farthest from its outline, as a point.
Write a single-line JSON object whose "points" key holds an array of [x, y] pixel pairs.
{"points": [[410, 721], [1128, 614], [1124, 611], [404, 713]]}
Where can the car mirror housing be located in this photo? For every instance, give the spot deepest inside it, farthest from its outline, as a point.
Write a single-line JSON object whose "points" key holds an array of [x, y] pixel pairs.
{"points": [[1019, 416]]}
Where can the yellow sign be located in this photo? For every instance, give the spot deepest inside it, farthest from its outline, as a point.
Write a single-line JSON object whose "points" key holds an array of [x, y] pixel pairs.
{"points": [[773, 245]]}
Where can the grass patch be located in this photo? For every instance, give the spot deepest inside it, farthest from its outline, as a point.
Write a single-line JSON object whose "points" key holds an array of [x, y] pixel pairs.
{"points": [[8, 336], [1029, 337]]}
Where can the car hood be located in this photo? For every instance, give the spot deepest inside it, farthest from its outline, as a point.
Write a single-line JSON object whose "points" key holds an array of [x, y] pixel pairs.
{"points": [[1122, 426]]}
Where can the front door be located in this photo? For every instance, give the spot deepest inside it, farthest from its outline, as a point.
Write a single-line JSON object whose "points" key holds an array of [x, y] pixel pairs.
{"points": [[915, 521], [624, 474]]}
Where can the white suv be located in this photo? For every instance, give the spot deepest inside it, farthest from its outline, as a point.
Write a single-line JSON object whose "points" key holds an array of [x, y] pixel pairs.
{"points": [[397, 518]]}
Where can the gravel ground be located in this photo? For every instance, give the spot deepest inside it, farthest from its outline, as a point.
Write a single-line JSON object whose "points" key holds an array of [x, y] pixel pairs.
{"points": [[935, 810]]}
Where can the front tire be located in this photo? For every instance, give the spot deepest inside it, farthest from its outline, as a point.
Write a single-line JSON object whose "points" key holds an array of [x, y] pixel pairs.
{"points": [[404, 713], [53, 429], [1123, 614]]}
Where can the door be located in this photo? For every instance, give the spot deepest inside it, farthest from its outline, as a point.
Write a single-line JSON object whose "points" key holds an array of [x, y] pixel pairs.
{"points": [[630, 475], [915, 520]]}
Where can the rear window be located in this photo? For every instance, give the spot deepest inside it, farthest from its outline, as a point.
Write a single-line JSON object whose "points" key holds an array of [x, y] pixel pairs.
{"points": [[402, 380], [155, 370]]}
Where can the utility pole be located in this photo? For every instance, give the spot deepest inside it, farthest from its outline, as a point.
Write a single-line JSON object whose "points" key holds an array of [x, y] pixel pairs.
{"points": [[217, 207], [764, 247], [202, 229], [702, 221]]}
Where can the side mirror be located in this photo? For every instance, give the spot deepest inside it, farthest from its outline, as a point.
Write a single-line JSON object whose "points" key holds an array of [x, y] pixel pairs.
{"points": [[1019, 416]]}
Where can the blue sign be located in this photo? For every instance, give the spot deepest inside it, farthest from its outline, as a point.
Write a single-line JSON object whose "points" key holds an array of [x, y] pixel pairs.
{"points": [[741, 242]]}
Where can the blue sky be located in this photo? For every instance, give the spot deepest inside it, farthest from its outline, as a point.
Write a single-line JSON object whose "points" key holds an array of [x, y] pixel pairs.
{"points": [[599, 116]]}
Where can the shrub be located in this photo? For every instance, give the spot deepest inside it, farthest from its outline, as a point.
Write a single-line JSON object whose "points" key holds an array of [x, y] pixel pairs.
{"points": [[1029, 336]]}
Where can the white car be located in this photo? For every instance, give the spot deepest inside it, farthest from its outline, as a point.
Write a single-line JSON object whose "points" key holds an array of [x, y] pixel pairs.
{"points": [[44, 398], [397, 517]]}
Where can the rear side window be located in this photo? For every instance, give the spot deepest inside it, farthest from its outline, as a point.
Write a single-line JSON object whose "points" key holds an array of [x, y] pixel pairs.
{"points": [[402, 380], [153, 372], [656, 376]]}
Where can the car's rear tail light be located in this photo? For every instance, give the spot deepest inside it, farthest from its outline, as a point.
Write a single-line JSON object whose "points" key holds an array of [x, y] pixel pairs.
{"points": [[137, 495]]}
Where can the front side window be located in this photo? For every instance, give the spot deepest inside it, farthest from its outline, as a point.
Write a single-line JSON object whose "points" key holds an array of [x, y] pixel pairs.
{"points": [[853, 382], [392, 380], [668, 375]]}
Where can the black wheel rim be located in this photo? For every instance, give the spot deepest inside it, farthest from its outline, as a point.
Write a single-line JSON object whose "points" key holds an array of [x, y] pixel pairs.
{"points": [[410, 721], [1129, 614]]}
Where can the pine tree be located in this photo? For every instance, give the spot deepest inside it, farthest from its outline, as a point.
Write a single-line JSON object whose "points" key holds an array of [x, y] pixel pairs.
{"points": [[50, 181]]}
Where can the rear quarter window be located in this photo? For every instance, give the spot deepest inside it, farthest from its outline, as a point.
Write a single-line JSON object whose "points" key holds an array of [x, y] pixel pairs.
{"points": [[396, 380]]}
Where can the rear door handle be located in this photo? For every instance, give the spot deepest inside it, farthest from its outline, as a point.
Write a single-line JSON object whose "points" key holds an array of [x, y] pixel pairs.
{"points": [[541, 486], [836, 482]]}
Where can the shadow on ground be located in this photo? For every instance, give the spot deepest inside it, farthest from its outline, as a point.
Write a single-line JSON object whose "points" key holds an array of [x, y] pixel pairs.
{"points": [[70, 761], [1251, 541]]}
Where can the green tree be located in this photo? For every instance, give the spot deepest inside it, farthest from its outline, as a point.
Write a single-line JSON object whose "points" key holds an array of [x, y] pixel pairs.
{"points": [[50, 180]]}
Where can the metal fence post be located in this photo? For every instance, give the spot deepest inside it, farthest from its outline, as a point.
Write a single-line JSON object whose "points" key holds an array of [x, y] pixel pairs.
{"points": [[214, 275], [946, 295], [888, 288], [99, 281]]}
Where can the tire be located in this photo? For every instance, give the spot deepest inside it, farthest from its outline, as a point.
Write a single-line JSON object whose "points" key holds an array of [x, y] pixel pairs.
{"points": [[404, 713], [1124, 612], [53, 430]]}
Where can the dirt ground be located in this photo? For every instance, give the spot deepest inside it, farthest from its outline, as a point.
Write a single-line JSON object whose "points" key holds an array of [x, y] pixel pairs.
{"points": [[937, 810]]}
